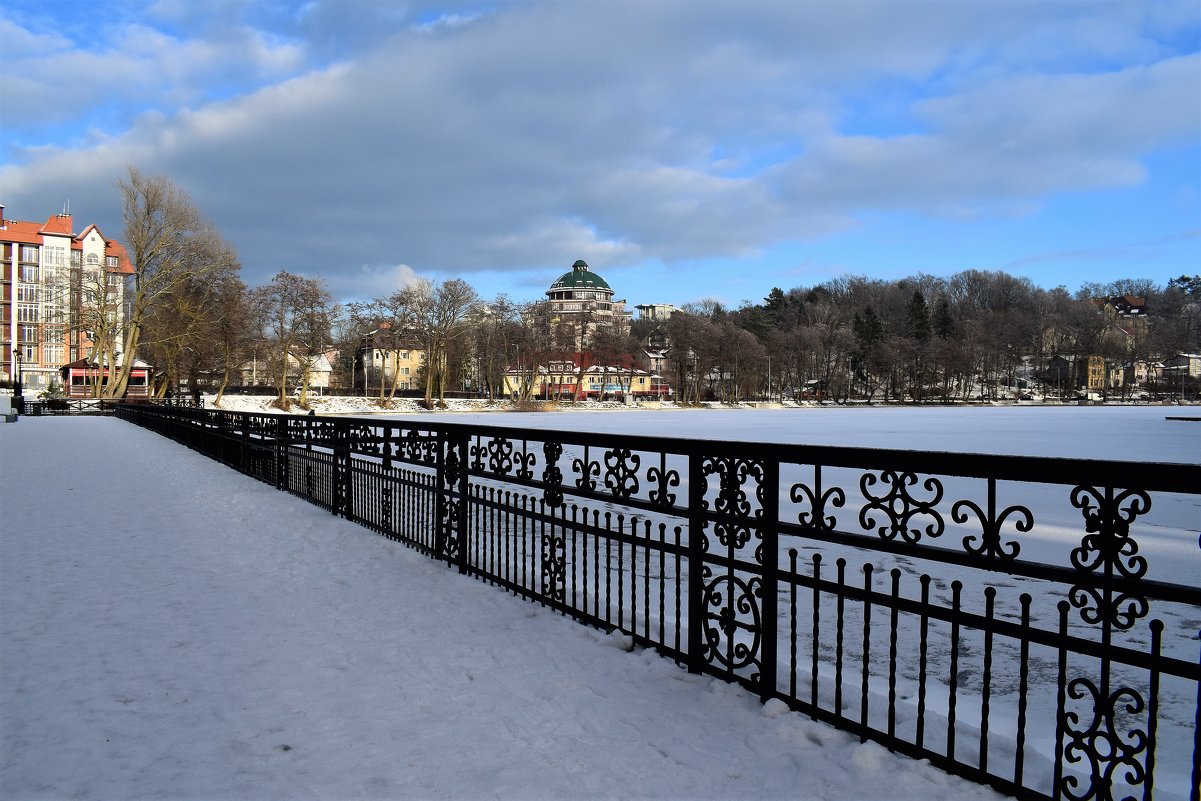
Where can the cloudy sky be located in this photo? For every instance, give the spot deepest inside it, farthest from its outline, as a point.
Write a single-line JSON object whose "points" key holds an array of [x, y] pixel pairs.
{"points": [[685, 149]]}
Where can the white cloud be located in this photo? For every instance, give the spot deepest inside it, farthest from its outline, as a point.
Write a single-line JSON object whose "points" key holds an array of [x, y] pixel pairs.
{"points": [[544, 132]]}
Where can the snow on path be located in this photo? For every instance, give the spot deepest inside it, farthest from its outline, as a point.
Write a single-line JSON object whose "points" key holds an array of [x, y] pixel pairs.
{"points": [[170, 629]]}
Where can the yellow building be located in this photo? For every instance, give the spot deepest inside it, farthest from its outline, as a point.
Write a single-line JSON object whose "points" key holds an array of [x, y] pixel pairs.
{"points": [[599, 382]]}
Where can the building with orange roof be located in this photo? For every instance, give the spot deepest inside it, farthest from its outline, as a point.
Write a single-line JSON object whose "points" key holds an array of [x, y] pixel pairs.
{"points": [[54, 282]]}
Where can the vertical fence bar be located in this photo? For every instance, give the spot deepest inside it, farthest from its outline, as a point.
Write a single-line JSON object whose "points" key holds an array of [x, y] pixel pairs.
{"points": [[696, 555], [1023, 688], [953, 677], [867, 640], [990, 594], [816, 636]]}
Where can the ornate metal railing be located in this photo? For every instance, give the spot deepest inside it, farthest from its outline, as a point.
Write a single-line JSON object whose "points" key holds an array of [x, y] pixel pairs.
{"points": [[1028, 623], [71, 406]]}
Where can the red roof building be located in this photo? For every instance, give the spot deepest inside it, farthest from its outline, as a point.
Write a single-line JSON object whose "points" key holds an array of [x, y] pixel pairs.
{"points": [[50, 276]]}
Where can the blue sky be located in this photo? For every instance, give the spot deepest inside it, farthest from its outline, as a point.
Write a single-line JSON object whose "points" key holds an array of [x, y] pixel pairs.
{"points": [[686, 150]]}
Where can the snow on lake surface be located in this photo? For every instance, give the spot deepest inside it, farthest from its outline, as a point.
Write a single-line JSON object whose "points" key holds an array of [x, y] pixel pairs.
{"points": [[1125, 433], [171, 629]]}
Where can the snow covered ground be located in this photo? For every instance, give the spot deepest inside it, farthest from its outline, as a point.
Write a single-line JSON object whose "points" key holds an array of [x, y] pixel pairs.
{"points": [[170, 629], [239, 643]]}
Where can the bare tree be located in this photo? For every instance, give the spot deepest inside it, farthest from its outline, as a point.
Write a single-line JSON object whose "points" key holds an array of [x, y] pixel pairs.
{"points": [[169, 243], [440, 312], [296, 314], [230, 331]]}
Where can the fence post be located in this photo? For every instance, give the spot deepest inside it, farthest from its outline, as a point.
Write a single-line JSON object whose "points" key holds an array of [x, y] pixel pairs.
{"points": [[770, 555], [696, 561], [450, 539], [244, 452], [342, 478], [281, 452]]}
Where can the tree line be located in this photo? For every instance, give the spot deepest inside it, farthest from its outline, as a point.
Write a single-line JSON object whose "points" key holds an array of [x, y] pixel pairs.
{"points": [[190, 315], [923, 337]]}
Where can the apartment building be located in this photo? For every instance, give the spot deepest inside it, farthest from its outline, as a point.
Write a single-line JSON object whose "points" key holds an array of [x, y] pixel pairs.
{"points": [[54, 282]]}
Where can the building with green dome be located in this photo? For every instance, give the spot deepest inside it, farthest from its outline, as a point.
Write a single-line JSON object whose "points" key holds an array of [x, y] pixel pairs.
{"points": [[584, 299]]}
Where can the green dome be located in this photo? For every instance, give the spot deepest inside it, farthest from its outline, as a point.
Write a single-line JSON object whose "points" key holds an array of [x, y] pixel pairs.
{"points": [[580, 277]]}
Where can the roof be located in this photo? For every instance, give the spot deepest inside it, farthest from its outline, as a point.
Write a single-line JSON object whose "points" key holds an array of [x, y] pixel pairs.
{"points": [[91, 361], [124, 266], [31, 233], [58, 225], [580, 277], [28, 233]]}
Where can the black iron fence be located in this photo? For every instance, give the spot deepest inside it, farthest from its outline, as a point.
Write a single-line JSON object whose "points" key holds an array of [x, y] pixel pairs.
{"points": [[60, 406], [102, 406], [1027, 623]]}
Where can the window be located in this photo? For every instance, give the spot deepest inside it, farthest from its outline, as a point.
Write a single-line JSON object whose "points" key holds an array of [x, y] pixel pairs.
{"points": [[28, 294], [29, 253], [111, 261], [27, 313], [27, 333], [29, 273], [76, 258], [54, 333], [29, 354], [54, 354], [404, 371]]}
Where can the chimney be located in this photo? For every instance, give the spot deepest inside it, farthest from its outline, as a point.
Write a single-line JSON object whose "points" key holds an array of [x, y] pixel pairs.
{"points": [[1, 216]]}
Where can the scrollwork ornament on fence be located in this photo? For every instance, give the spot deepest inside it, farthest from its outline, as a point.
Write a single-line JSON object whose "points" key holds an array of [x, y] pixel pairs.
{"points": [[900, 506], [386, 508], [552, 476], [664, 480], [525, 462], [500, 455], [991, 523], [588, 470], [554, 566], [1109, 749], [732, 536], [621, 472], [1108, 549], [419, 448], [733, 474], [733, 625], [477, 453], [363, 439], [454, 467], [816, 520]]}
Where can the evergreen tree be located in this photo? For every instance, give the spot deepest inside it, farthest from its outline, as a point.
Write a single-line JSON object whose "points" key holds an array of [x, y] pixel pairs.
{"points": [[917, 321]]}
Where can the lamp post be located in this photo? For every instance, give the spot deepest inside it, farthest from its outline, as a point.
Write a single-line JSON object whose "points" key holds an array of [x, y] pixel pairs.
{"points": [[18, 398], [517, 364], [769, 379]]}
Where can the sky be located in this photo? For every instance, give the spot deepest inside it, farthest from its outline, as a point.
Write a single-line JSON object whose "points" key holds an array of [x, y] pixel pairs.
{"points": [[685, 150]]}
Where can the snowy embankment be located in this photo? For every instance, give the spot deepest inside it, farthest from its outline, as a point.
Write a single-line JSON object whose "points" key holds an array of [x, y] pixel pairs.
{"points": [[171, 629]]}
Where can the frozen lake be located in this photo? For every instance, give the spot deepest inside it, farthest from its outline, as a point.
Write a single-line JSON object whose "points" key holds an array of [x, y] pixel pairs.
{"points": [[1126, 433]]}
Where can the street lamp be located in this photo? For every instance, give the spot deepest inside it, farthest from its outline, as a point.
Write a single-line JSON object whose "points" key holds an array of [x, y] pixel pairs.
{"points": [[18, 398], [517, 364], [366, 362]]}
